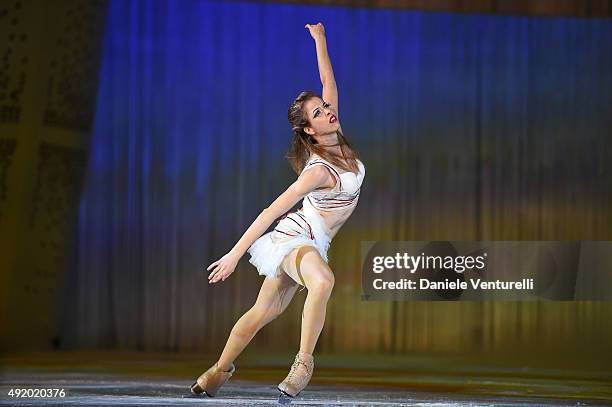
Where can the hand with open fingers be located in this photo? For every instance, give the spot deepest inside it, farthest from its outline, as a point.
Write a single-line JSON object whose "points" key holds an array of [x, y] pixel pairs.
{"points": [[222, 268], [316, 30]]}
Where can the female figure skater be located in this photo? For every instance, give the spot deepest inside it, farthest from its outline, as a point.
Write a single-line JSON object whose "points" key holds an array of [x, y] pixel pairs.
{"points": [[295, 252]]}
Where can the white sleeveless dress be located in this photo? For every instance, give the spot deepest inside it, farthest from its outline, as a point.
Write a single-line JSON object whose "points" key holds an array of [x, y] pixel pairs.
{"points": [[307, 226]]}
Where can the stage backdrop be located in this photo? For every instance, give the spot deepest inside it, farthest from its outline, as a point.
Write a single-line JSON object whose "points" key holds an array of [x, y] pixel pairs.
{"points": [[470, 127]]}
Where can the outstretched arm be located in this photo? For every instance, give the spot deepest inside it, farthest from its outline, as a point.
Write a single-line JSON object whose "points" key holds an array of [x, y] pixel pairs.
{"points": [[308, 181], [326, 73]]}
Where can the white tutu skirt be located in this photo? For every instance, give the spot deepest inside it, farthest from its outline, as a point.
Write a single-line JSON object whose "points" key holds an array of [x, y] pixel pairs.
{"points": [[304, 227]]}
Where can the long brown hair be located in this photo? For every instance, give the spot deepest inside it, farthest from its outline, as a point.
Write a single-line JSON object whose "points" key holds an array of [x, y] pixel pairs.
{"points": [[303, 144]]}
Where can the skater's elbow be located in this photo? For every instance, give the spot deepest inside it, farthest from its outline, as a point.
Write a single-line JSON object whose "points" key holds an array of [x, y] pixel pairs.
{"points": [[284, 202]]}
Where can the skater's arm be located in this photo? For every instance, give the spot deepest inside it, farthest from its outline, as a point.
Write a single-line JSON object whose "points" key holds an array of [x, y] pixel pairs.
{"points": [[326, 73], [308, 181]]}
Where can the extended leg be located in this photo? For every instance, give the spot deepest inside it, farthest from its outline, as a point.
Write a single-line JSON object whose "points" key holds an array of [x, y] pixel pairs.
{"points": [[274, 297]]}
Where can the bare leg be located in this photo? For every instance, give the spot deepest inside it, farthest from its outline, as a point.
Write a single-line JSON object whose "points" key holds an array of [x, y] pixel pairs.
{"points": [[306, 265], [274, 297], [319, 279]]}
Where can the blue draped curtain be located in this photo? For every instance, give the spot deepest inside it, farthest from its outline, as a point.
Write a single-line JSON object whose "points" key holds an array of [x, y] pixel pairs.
{"points": [[470, 126]]}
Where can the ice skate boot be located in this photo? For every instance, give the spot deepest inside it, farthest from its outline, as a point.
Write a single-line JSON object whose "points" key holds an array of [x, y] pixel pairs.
{"points": [[211, 381], [299, 375]]}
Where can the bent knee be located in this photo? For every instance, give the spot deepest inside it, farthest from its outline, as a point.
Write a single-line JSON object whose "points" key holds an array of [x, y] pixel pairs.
{"points": [[322, 282]]}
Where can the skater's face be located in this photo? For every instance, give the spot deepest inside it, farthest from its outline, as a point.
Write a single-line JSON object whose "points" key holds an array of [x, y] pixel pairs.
{"points": [[322, 117]]}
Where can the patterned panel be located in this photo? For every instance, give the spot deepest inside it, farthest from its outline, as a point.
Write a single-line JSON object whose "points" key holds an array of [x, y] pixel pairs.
{"points": [[71, 86], [7, 150], [58, 182], [53, 217], [52, 221], [14, 61]]}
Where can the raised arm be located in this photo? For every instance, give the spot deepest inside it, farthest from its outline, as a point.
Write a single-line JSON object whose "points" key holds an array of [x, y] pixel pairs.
{"points": [[308, 181], [326, 73]]}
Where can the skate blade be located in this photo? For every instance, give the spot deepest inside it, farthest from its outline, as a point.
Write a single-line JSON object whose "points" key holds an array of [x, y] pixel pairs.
{"points": [[284, 398]]}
